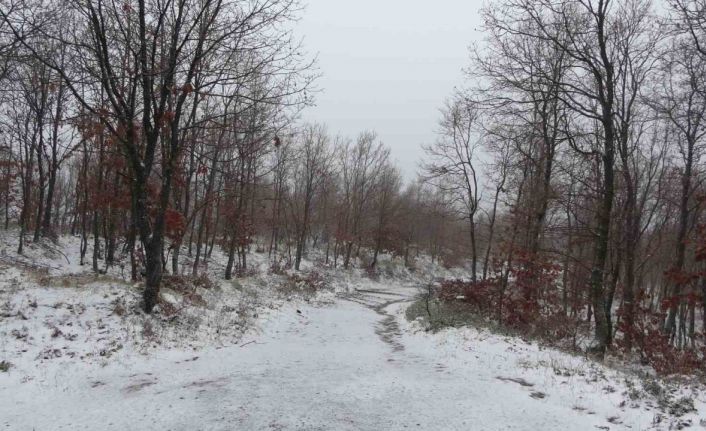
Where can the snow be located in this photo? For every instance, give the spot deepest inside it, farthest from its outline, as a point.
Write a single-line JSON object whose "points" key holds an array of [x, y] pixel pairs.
{"points": [[349, 361]]}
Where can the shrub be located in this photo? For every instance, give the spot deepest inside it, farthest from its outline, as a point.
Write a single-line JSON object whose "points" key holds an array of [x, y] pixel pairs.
{"points": [[655, 347], [372, 273], [526, 299], [280, 266], [307, 284], [204, 282]]}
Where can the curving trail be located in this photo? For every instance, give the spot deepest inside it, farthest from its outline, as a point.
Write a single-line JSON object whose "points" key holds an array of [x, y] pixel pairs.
{"points": [[350, 366]]}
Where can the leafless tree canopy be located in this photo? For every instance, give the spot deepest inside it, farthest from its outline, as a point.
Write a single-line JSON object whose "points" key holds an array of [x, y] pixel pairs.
{"points": [[567, 175]]}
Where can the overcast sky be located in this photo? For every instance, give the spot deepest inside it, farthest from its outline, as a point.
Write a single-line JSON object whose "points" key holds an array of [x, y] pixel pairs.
{"points": [[388, 65]]}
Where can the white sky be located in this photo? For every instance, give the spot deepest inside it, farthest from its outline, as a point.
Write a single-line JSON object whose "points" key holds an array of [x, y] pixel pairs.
{"points": [[388, 65]]}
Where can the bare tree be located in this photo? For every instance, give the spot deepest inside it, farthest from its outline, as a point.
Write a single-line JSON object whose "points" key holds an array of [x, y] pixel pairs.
{"points": [[452, 164], [143, 56], [312, 170], [362, 164], [681, 101], [387, 202]]}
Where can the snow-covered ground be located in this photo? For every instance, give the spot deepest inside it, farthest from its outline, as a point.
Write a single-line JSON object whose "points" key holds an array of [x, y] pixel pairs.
{"points": [[348, 362]]}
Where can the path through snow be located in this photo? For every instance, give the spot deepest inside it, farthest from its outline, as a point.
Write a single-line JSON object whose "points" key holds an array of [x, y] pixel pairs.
{"points": [[354, 365]]}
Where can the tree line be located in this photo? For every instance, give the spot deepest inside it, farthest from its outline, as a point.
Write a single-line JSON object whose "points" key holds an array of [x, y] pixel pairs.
{"points": [[157, 130], [568, 176], [588, 116]]}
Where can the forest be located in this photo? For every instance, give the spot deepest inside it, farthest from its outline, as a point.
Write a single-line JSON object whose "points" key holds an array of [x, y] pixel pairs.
{"points": [[566, 179]]}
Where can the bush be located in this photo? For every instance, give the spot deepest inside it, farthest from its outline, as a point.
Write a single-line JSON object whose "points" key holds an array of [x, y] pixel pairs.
{"points": [[307, 284], [280, 266], [187, 287], [525, 300], [655, 347], [528, 301]]}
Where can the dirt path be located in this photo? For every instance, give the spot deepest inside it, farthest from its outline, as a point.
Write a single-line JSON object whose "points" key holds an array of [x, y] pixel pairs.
{"points": [[349, 366], [379, 300]]}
